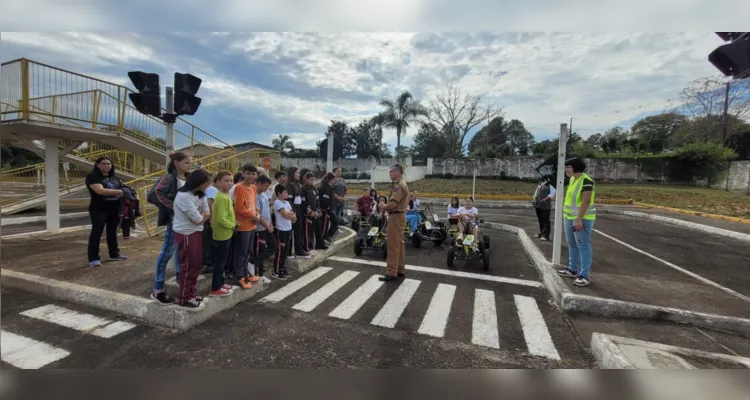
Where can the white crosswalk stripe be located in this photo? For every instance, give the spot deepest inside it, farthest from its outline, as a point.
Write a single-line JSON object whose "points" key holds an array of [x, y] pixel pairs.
{"points": [[25, 353], [485, 327], [79, 321]]}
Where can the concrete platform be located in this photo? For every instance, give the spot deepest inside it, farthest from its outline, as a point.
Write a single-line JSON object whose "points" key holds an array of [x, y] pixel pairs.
{"points": [[613, 352]]}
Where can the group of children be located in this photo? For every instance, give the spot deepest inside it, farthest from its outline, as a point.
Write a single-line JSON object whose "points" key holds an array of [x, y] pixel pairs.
{"points": [[246, 230]]}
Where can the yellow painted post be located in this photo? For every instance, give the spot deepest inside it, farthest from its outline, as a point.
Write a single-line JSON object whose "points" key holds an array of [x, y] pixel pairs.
{"points": [[25, 96]]}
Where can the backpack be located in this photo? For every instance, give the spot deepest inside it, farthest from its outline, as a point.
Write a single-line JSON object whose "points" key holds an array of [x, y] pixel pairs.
{"points": [[152, 197]]}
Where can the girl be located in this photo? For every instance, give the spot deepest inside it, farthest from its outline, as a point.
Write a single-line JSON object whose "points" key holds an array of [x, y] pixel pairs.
{"points": [[285, 217], [326, 197], [466, 214], [224, 224], [190, 213], [412, 213], [452, 211], [105, 188], [164, 194], [294, 190]]}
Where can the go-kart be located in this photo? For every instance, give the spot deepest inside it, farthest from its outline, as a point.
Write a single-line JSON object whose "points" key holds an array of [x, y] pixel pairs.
{"points": [[357, 220], [431, 231], [374, 239], [469, 248]]}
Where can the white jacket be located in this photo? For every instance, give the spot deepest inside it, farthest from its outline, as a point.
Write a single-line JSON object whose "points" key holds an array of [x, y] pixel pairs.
{"points": [[187, 213]]}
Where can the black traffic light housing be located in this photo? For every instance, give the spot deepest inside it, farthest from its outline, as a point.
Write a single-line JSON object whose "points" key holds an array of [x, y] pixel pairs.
{"points": [[148, 99], [733, 59], [185, 88]]}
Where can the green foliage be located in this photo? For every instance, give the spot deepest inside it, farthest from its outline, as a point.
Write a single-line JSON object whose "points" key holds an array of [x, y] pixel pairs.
{"points": [[707, 160]]}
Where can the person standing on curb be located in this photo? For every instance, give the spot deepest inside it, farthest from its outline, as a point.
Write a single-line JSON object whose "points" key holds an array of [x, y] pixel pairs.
{"points": [[396, 207], [543, 205], [580, 214]]}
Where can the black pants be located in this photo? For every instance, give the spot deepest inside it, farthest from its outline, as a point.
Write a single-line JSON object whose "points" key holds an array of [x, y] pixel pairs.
{"points": [[220, 254], [300, 235], [315, 233], [126, 224], [284, 238], [208, 245], [104, 216], [330, 224], [544, 222], [266, 245]]}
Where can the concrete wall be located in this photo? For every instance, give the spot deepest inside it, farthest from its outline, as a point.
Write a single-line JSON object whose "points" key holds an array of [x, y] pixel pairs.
{"points": [[738, 178]]}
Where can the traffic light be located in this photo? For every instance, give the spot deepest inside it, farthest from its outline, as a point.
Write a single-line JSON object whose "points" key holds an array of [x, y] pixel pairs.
{"points": [[733, 59], [148, 98], [185, 88]]}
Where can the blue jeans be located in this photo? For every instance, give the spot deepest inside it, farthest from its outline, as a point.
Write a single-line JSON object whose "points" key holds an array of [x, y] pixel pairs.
{"points": [[413, 219], [339, 211], [579, 247], [168, 249]]}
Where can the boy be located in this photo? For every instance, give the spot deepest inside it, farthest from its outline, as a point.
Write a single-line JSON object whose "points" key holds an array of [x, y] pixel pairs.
{"points": [[280, 177], [265, 241], [223, 222], [208, 242], [246, 213], [285, 217], [313, 220]]}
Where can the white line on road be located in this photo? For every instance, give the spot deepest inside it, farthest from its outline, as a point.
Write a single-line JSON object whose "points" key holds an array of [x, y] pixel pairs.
{"points": [[436, 318], [294, 286], [314, 300], [437, 271], [356, 300], [395, 306], [25, 353], [535, 331], [683, 270], [484, 325], [79, 321]]}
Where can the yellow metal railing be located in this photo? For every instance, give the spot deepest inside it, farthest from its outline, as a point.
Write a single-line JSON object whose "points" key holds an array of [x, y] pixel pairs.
{"points": [[34, 91], [28, 183]]}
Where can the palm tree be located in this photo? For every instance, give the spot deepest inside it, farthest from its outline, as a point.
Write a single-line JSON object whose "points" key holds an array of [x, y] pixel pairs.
{"points": [[283, 143], [398, 114]]}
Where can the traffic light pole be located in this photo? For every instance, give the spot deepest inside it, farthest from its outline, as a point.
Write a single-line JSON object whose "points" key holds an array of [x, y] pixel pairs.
{"points": [[170, 125], [329, 162], [560, 196]]}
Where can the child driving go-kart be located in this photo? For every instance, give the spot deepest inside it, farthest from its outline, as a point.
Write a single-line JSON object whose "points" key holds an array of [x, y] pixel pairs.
{"points": [[467, 220]]}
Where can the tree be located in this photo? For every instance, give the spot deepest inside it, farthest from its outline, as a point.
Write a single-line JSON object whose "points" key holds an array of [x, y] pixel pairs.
{"points": [[709, 128], [343, 137], [367, 139], [655, 132], [304, 153], [545, 147], [399, 114], [429, 142], [613, 140], [490, 141], [704, 97], [520, 140], [595, 141], [283, 143], [457, 113]]}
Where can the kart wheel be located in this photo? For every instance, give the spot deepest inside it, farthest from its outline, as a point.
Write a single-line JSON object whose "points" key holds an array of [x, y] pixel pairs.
{"points": [[416, 240], [486, 260], [438, 236], [359, 244], [355, 224], [451, 256], [486, 242]]}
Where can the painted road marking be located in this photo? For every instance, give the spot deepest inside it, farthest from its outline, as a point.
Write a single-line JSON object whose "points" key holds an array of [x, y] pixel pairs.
{"points": [[436, 318], [535, 331], [356, 300], [25, 353], [437, 271], [314, 300], [395, 306], [294, 286], [684, 271], [484, 325], [79, 321]]}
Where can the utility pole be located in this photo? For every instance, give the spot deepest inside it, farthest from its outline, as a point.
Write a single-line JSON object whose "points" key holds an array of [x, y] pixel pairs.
{"points": [[170, 124], [329, 162], [726, 117], [560, 196]]}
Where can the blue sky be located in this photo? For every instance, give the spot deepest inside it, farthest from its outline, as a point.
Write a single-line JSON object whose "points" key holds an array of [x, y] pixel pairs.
{"points": [[259, 85]]}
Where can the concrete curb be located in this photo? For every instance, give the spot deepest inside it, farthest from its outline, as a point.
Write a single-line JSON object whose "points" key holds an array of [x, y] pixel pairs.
{"points": [[607, 352], [684, 224], [696, 213], [305, 264], [573, 303], [40, 218], [171, 317]]}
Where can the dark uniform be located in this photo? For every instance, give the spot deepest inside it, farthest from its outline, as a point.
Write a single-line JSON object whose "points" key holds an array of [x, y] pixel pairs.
{"points": [[395, 231]]}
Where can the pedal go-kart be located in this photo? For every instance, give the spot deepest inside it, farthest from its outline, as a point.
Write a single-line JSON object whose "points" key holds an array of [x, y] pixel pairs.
{"points": [[430, 231], [357, 221], [374, 239], [470, 249]]}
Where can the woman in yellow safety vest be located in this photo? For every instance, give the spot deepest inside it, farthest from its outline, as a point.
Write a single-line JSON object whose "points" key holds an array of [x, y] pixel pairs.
{"points": [[580, 213]]}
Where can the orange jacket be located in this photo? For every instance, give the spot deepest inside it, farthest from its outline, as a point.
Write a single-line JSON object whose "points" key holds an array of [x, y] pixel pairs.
{"points": [[245, 206]]}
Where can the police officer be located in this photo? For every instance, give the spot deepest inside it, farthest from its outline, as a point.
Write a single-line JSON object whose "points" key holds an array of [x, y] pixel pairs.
{"points": [[396, 222]]}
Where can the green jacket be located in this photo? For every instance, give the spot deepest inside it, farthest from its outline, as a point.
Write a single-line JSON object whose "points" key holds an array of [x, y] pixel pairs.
{"points": [[222, 217]]}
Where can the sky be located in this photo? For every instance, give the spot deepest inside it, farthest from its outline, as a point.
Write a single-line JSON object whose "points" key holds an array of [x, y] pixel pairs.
{"points": [[259, 85]]}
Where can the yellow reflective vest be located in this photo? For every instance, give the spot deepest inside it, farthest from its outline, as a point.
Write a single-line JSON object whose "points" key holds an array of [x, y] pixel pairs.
{"points": [[573, 199]]}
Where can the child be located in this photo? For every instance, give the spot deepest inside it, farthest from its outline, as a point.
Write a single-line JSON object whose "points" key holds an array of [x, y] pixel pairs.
{"points": [[190, 213], [222, 220], [265, 240], [452, 211], [208, 234], [229, 266], [285, 217], [412, 213], [467, 213], [330, 223], [313, 220], [246, 213]]}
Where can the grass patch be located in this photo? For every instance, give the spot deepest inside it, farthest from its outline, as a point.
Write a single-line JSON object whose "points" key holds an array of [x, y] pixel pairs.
{"points": [[693, 198]]}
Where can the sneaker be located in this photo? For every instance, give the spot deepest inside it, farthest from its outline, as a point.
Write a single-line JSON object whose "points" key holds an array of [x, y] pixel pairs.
{"points": [[538, 235], [266, 280], [279, 275], [163, 298], [198, 298], [192, 305], [95, 263], [581, 281], [566, 273], [303, 256], [119, 258], [220, 293], [544, 239], [227, 287], [285, 273]]}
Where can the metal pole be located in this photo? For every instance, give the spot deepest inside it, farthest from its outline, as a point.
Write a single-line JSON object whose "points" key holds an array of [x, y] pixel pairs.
{"points": [[726, 118], [170, 126], [329, 163], [474, 183], [372, 172], [560, 196]]}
